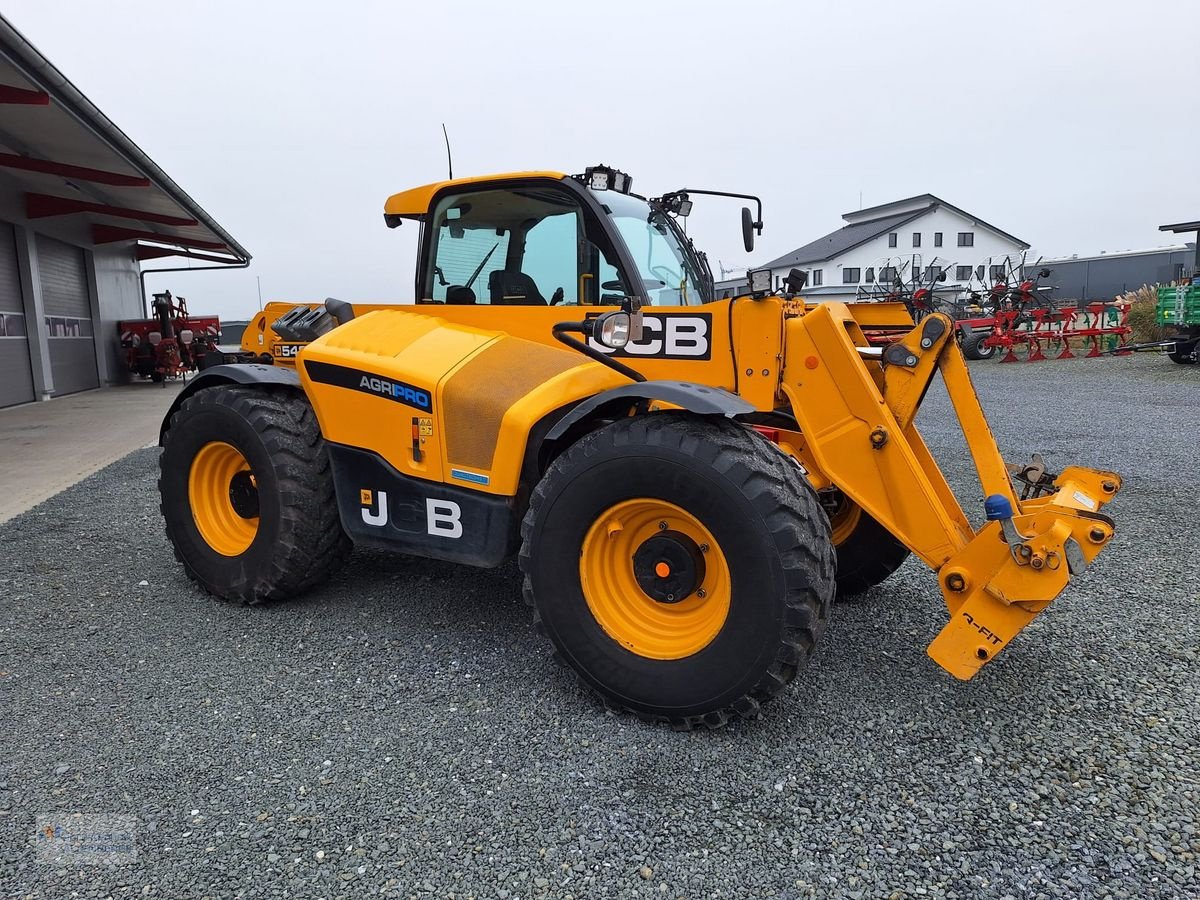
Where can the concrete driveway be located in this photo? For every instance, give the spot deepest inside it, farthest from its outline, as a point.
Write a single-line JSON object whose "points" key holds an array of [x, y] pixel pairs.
{"points": [[47, 447]]}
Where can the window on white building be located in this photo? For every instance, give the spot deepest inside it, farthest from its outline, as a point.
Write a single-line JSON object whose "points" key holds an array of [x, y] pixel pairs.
{"points": [[932, 273], [817, 278], [966, 239], [851, 276], [892, 239], [916, 239], [887, 275], [962, 273], [870, 274], [979, 272], [997, 273], [937, 239]]}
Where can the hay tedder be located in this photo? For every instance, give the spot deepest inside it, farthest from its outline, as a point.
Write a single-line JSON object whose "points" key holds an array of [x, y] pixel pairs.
{"points": [[686, 482], [903, 281]]}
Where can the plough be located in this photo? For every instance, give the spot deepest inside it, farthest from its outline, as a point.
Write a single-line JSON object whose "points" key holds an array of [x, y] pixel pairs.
{"points": [[1099, 327]]}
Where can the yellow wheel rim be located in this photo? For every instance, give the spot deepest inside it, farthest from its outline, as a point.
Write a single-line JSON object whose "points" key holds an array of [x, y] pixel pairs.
{"points": [[222, 492], [844, 521], [615, 551]]}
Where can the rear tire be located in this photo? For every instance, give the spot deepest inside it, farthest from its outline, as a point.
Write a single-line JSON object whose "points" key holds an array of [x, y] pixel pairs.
{"points": [[247, 494], [867, 554], [758, 541], [973, 347]]}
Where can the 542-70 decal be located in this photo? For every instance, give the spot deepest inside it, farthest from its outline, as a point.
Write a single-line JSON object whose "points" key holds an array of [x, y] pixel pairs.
{"points": [[286, 351]]}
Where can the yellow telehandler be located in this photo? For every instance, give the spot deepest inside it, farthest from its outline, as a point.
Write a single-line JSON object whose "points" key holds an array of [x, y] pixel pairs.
{"points": [[686, 480]]}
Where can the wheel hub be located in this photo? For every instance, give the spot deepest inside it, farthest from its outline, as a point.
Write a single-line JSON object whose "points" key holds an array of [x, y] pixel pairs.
{"points": [[243, 494], [669, 567], [655, 578], [223, 495]]}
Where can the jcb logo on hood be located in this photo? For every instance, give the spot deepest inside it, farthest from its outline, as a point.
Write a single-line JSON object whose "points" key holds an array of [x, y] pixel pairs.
{"points": [[667, 336]]}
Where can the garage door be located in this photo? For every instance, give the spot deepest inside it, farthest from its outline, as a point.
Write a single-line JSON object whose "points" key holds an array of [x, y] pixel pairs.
{"points": [[69, 327], [16, 376]]}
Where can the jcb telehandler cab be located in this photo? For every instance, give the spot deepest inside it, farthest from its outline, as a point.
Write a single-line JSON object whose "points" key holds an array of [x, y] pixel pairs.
{"points": [[687, 481]]}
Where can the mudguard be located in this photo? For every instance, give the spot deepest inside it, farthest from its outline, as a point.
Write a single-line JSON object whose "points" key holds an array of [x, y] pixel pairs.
{"points": [[236, 373], [697, 398]]}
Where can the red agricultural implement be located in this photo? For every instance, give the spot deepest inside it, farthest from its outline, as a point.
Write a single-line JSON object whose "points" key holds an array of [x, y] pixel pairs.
{"points": [[906, 283], [1014, 317], [1020, 316], [169, 345]]}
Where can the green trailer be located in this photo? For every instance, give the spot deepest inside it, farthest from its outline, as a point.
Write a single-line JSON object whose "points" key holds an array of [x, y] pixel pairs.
{"points": [[1179, 314]]}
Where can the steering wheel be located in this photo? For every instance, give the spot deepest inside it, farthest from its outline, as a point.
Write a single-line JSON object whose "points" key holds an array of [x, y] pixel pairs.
{"points": [[671, 279]]}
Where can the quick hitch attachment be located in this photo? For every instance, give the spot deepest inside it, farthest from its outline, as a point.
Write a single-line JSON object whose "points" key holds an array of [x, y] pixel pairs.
{"points": [[998, 508]]}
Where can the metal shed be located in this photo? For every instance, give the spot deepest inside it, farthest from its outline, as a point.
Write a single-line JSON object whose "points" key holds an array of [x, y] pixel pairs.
{"points": [[81, 208]]}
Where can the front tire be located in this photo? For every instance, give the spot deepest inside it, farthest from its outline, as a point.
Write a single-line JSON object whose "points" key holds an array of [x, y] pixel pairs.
{"points": [[247, 494], [681, 566]]}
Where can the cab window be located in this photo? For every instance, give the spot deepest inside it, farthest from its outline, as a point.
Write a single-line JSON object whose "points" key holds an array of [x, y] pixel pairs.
{"points": [[524, 246]]}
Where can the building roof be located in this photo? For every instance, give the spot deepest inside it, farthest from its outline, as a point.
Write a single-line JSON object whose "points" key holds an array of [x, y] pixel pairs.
{"points": [[69, 159], [837, 242], [1180, 227], [1119, 254], [918, 202], [867, 224]]}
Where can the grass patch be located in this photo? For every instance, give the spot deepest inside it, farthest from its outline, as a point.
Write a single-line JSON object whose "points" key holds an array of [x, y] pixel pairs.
{"points": [[1143, 314]]}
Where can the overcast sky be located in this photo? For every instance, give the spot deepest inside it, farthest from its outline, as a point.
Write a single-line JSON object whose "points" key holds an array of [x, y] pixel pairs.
{"points": [[1074, 125]]}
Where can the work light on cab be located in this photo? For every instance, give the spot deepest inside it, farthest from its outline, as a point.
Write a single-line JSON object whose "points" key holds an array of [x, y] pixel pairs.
{"points": [[603, 178]]}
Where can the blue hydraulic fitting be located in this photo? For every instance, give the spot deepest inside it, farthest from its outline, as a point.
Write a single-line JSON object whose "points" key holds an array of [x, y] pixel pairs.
{"points": [[997, 507]]}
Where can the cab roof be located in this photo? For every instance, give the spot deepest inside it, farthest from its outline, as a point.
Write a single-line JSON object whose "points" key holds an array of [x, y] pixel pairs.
{"points": [[414, 203]]}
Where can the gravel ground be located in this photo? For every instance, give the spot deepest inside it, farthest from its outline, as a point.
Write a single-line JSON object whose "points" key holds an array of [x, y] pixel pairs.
{"points": [[403, 732]]}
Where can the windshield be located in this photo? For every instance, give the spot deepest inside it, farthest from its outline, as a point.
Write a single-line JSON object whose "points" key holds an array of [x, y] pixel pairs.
{"points": [[668, 271]]}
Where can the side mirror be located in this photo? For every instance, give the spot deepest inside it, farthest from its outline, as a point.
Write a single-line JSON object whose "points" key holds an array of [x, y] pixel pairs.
{"points": [[748, 229]]}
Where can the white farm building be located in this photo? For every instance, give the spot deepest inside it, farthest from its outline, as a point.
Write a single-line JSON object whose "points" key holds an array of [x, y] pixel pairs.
{"points": [[901, 237]]}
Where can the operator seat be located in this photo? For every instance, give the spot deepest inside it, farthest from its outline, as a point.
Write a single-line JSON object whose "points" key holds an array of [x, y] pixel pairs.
{"points": [[460, 295], [514, 289]]}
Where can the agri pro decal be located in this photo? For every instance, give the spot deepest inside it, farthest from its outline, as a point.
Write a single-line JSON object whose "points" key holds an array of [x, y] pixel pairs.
{"points": [[370, 383]]}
